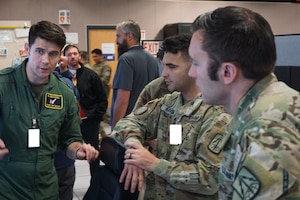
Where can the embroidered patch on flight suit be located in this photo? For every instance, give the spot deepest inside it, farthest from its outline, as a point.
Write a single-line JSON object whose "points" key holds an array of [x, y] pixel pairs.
{"points": [[246, 185], [141, 110], [54, 101], [214, 144]]}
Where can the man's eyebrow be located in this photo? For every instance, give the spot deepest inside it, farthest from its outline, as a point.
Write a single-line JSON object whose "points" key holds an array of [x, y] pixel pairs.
{"points": [[39, 48], [170, 64]]}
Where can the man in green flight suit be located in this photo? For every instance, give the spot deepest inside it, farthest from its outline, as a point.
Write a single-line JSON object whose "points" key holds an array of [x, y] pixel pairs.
{"points": [[38, 112]]}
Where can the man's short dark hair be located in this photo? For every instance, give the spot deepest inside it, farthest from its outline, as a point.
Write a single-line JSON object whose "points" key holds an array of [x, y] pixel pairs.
{"points": [[48, 31], [97, 51], [67, 47]]}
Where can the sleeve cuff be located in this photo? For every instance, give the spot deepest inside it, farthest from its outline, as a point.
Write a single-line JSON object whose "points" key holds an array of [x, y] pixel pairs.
{"points": [[135, 140], [162, 168]]}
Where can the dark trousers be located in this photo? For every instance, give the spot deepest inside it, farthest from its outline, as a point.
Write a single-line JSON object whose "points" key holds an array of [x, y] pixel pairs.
{"points": [[90, 135], [66, 179]]}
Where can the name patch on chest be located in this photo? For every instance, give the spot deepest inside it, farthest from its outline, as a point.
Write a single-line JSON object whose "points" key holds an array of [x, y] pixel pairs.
{"points": [[54, 101]]}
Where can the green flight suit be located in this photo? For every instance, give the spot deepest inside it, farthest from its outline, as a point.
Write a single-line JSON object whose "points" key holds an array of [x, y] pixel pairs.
{"points": [[29, 173]]}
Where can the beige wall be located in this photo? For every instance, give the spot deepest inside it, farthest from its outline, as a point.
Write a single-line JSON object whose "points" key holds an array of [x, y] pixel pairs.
{"points": [[152, 15]]}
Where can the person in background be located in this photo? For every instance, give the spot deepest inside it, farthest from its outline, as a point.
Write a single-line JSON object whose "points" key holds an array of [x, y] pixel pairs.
{"points": [[156, 88], [93, 100], [38, 112], [65, 167], [185, 162], [102, 68], [136, 67], [234, 55], [84, 59]]}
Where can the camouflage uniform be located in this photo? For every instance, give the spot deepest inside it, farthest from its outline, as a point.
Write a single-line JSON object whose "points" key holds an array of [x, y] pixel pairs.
{"points": [[155, 89], [262, 152], [104, 72], [185, 171]]}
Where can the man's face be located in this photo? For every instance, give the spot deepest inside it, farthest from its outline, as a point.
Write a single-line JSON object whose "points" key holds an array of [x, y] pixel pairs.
{"points": [[97, 58], [63, 61], [73, 57], [121, 40], [175, 72], [42, 59], [211, 90]]}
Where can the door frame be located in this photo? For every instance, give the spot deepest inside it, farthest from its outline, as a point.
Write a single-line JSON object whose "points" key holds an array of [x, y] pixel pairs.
{"points": [[91, 27]]}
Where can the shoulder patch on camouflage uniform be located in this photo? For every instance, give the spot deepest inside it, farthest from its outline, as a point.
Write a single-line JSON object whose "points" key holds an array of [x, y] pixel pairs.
{"points": [[246, 185], [141, 110], [214, 146]]}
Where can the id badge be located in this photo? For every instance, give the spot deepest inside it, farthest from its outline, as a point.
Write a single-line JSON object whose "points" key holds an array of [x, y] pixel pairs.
{"points": [[33, 138], [175, 134]]}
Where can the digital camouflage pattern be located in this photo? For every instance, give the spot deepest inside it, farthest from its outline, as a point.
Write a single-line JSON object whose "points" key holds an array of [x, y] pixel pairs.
{"points": [[185, 171], [104, 72], [155, 89], [262, 154]]}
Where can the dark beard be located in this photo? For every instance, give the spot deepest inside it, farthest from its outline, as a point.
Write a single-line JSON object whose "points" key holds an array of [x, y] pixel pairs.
{"points": [[122, 48]]}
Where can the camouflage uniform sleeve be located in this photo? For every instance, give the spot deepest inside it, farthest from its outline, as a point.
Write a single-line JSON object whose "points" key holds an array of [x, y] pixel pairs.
{"points": [[136, 126], [106, 74], [271, 163], [201, 174], [143, 98]]}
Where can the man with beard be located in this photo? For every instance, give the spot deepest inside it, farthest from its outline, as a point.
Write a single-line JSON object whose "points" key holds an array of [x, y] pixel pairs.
{"points": [[92, 98], [136, 67]]}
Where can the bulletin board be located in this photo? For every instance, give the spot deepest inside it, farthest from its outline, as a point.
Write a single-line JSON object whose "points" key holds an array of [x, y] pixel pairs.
{"points": [[13, 36]]}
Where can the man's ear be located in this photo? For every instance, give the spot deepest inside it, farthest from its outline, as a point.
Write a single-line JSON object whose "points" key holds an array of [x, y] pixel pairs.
{"points": [[130, 36], [229, 72], [27, 49]]}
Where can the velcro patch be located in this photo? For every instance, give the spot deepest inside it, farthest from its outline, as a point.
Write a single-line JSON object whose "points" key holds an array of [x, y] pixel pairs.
{"points": [[54, 101], [246, 185], [214, 144]]}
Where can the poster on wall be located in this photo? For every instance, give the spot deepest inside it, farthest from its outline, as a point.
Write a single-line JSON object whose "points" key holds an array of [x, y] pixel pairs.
{"points": [[5, 36], [72, 37], [108, 51], [13, 36]]}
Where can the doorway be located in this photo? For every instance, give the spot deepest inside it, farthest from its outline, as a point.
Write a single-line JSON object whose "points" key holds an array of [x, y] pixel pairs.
{"points": [[104, 37]]}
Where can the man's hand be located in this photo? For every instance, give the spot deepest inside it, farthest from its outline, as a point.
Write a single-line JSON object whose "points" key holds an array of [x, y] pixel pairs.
{"points": [[140, 157], [133, 177], [63, 64], [87, 152], [3, 149]]}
